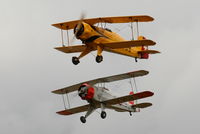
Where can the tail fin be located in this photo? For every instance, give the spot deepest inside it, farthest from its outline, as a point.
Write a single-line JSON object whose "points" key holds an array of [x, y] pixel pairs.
{"points": [[141, 48]]}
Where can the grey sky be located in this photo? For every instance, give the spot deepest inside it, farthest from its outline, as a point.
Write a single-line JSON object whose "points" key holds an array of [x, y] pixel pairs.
{"points": [[30, 67]]}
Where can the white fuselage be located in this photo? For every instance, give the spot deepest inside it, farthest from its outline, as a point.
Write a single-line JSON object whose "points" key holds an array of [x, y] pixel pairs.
{"points": [[103, 94]]}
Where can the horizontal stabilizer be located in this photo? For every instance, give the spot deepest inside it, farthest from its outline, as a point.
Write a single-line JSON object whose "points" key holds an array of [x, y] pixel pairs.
{"points": [[148, 52], [142, 105]]}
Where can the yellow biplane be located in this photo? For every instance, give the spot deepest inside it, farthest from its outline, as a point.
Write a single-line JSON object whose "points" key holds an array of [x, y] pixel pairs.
{"points": [[100, 38]]}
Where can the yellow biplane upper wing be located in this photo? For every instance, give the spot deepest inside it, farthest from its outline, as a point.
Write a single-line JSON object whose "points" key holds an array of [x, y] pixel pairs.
{"points": [[122, 19], [128, 44], [102, 80]]}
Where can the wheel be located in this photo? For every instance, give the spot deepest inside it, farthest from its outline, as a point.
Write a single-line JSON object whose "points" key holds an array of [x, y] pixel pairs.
{"points": [[83, 120], [103, 114], [75, 60], [99, 59]]}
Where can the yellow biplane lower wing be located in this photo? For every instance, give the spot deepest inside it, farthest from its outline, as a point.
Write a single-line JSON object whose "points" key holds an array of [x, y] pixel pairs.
{"points": [[128, 44], [71, 49], [106, 46]]}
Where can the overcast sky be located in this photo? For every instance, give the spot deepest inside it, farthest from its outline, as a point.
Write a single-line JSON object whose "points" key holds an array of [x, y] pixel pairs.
{"points": [[30, 68]]}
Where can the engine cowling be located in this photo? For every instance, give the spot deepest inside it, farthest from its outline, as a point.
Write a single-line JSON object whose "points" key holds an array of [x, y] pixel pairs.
{"points": [[86, 92]]}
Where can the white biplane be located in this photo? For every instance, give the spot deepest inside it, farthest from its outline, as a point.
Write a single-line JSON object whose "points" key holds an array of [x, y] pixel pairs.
{"points": [[101, 97]]}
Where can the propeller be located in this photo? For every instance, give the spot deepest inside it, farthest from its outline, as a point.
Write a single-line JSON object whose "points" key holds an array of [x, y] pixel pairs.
{"points": [[78, 27]]}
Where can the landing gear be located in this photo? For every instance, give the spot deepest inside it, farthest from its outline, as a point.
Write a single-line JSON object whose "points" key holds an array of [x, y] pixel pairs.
{"points": [[99, 59], [75, 60], [83, 119], [103, 114]]}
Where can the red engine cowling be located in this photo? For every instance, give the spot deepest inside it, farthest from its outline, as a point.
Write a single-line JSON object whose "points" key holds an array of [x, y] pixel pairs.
{"points": [[86, 92]]}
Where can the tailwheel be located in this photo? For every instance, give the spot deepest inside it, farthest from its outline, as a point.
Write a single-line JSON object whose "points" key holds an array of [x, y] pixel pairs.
{"points": [[83, 119], [75, 60], [136, 60], [103, 114], [99, 59]]}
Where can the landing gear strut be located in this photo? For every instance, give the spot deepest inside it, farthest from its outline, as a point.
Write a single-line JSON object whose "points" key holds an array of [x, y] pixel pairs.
{"points": [[103, 114], [83, 119], [99, 59], [136, 60], [75, 60]]}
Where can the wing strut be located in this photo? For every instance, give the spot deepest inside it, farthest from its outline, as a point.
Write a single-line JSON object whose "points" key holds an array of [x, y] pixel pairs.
{"points": [[67, 36], [64, 102], [62, 40], [137, 29]]}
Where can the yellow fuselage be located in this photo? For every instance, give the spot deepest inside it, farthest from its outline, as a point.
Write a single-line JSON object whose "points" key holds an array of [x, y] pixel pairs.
{"points": [[100, 35]]}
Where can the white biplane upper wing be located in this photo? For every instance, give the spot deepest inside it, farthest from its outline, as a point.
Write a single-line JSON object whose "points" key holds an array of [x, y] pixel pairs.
{"points": [[122, 19], [102, 80]]}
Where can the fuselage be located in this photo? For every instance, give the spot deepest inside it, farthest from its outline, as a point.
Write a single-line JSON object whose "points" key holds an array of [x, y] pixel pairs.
{"points": [[96, 95], [88, 33]]}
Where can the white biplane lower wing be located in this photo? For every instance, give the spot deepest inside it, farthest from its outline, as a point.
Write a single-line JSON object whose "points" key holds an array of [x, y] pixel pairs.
{"points": [[120, 109], [127, 98], [74, 110], [102, 80], [127, 44]]}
